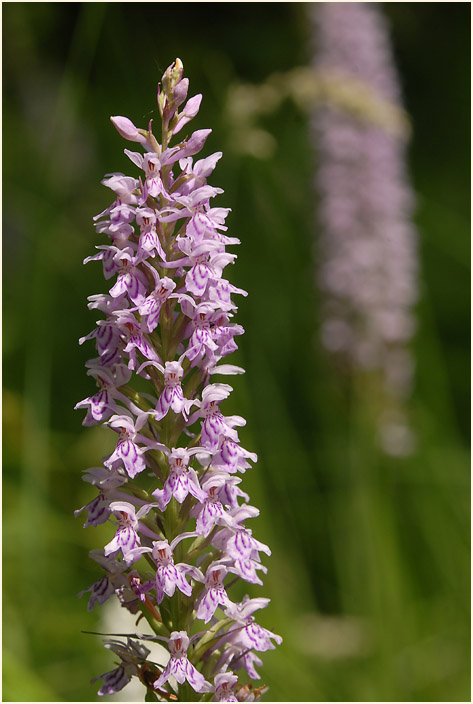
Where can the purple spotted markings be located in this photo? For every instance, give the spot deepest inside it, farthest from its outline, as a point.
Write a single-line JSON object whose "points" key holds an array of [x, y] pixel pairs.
{"points": [[170, 488]]}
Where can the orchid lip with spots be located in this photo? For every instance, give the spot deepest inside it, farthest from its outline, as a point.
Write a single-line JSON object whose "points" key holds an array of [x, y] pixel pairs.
{"points": [[170, 489]]}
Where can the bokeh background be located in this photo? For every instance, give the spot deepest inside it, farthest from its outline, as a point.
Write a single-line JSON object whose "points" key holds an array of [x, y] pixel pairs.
{"points": [[370, 572]]}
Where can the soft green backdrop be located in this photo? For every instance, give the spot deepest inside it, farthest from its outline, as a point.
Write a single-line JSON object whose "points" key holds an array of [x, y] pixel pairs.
{"points": [[369, 577]]}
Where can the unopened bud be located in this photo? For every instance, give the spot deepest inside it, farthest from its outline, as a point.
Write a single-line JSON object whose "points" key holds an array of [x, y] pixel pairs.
{"points": [[172, 76], [190, 111], [195, 142], [127, 129], [180, 92]]}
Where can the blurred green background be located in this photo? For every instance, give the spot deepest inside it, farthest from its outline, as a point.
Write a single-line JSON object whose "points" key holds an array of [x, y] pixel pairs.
{"points": [[370, 573]]}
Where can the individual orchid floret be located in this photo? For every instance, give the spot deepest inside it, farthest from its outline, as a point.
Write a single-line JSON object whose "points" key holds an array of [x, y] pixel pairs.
{"points": [[224, 337], [252, 636], [127, 451], [231, 457], [98, 510], [242, 550], [215, 425], [201, 342], [131, 655], [151, 165], [214, 594], [101, 591], [130, 279], [106, 304], [123, 186], [121, 216], [154, 185], [130, 331], [229, 491], [205, 223], [181, 480], [149, 240], [249, 659], [196, 176], [168, 575], [101, 405], [126, 538], [242, 544], [255, 637], [106, 255], [118, 228], [107, 339], [151, 307], [224, 687], [211, 511], [115, 680], [236, 657], [180, 666], [220, 292], [121, 212], [246, 568], [107, 585], [171, 396], [207, 263], [103, 479]]}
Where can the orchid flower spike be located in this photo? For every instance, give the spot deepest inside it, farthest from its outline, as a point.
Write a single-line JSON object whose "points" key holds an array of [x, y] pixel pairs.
{"points": [[169, 491]]}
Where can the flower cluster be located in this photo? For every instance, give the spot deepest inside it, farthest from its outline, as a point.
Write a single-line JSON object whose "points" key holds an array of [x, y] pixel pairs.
{"points": [[171, 485], [368, 248]]}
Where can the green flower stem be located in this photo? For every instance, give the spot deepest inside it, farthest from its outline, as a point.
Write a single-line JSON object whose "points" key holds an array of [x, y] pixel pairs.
{"points": [[179, 328], [171, 518], [156, 625], [200, 543], [207, 639], [165, 320], [156, 464], [136, 397], [130, 488]]}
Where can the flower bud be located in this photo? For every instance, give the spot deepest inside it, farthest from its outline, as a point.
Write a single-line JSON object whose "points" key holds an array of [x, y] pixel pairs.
{"points": [[180, 92], [189, 112], [127, 129], [196, 142], [171, 77]]}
